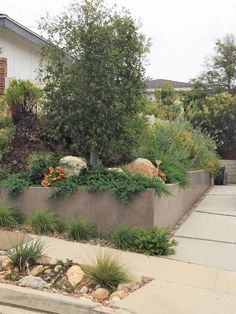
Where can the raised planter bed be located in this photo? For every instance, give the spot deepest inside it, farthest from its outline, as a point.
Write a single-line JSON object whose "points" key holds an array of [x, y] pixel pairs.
{"points": [[107, 212]]}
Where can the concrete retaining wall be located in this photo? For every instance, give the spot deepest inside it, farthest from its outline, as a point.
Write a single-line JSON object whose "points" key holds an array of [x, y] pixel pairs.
{"points": [[230, 168], [107, 212]]}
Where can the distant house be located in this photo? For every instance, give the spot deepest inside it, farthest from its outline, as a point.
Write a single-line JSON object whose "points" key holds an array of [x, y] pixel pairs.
{"points": [[153, 85], [19, 52]]}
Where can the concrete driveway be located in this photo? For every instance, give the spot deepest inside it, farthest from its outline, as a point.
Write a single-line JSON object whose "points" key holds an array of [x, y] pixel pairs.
{"points": [[208, 237]]}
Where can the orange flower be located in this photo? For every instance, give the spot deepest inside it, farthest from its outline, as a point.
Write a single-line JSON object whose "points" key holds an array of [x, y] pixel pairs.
{"points": [[60, 169], [45, 183], [53, 175], [51, 170]]}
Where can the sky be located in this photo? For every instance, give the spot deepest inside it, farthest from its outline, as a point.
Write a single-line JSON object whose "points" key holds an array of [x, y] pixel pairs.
{"points": [[182, 32]]}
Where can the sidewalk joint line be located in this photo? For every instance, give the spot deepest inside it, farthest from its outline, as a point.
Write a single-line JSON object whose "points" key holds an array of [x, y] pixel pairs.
{"points": [[202, 239], [214, 213]]}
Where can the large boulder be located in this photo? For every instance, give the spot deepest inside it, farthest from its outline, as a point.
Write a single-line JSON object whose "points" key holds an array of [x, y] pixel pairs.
{"points": [[142, 166], [73, 165]]}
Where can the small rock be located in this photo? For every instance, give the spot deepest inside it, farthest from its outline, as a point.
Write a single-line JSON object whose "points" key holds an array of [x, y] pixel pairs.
{"points": [[33, 282], [100, 294], [37, 270], [97, 286], [2, 253], [107, 302], [115, 300], [136, 286], [123, 286], [6, 264], [57, 268], [119, 293], [84, 289], [44, 260], [48, 271], [3, 258], [74, 275]]}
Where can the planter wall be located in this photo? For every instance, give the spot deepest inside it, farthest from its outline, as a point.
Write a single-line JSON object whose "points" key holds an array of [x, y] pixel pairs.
{"points": [[107, 212]]}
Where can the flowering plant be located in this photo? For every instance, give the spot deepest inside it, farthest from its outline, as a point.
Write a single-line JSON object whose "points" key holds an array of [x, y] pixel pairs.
{"points": [[162, 175], [54, 175]]}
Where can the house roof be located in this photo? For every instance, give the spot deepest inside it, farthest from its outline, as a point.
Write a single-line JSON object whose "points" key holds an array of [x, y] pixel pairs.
{"points": [[10, 24], [159, 83]]}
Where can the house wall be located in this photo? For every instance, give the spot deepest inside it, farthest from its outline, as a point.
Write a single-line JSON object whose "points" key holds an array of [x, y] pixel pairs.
{"points": [[23, 57]]}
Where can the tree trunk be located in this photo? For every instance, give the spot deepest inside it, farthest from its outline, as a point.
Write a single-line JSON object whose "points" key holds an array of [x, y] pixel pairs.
{"points": [[93, 157]]}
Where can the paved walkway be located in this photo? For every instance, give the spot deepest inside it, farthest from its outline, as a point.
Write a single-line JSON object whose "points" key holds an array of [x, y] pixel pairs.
{"points": [[199, 279], [208, 237]]}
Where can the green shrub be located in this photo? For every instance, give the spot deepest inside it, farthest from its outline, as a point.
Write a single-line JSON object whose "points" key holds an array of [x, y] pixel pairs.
{"points": [[38, 164], [174, 170], [21, 98], [4, 173], [16, 183], [9, 216], [43, 222], [6, 134], [26, 254], [179, 148], [108, 272], [5, 122], [80, 229], [156, 242], [98, 179], [125, 238], [152, 241]]}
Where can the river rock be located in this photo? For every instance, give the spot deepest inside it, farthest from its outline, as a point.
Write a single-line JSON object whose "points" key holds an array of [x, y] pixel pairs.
{"points": [[3, 253], [57, 268], [84, 290], [73, 165], [44, 260], [114, 300], [142, 166], [74, 275], [100, 294], [3, 258], [119, 293], [6, 264], [33, 282], [37, 270]]}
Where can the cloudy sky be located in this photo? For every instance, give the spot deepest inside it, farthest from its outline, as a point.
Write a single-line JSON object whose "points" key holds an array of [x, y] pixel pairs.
{"points": [[182, 32]]}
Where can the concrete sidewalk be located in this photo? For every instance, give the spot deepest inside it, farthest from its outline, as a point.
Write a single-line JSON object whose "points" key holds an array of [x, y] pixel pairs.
{"points": [[208, 237], [180, 285]]}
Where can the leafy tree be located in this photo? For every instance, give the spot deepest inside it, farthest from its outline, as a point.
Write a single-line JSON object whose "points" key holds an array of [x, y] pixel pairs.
{"points": [[94, 80], [216, 115], [220, 73], [166, 105]]}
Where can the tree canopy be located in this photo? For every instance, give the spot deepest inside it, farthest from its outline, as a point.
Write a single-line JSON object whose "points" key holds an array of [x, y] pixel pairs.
{"points": [[94, 78], [220, 72]]}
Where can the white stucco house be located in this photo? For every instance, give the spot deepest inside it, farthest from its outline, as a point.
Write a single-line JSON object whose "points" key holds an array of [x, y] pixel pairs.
{"points": [[19, 52], [153, 85]]}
